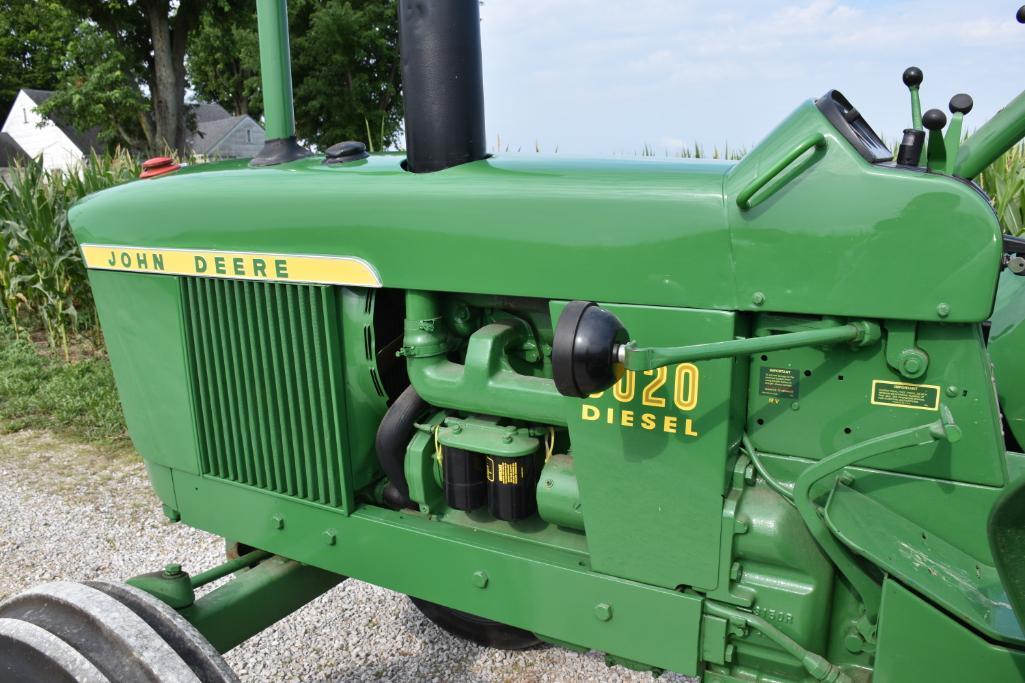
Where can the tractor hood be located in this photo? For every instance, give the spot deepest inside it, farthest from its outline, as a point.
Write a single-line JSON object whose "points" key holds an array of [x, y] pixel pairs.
{"points": [[833, 233]]}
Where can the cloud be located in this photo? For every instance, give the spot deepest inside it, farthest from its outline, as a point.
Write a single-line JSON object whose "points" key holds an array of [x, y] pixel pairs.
{"points": [[597, 76]]}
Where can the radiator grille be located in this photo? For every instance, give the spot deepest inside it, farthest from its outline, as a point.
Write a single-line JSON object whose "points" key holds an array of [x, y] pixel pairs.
{"points": [[266, 385]]}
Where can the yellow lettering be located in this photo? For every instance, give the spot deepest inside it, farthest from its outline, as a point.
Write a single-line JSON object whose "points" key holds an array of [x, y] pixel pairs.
{"points": [[611, 416], [688, 428], [626, 418], [624, 389], [648, 421], [648, 397], [590, 413], [669, 424], [685, 389]]}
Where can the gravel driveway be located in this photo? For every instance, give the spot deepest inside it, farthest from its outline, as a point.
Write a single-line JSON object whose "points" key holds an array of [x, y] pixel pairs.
{"points": [[75, 512]]}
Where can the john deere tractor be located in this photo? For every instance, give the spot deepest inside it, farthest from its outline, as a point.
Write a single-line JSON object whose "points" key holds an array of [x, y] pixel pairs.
{"points": [[749, 421]]}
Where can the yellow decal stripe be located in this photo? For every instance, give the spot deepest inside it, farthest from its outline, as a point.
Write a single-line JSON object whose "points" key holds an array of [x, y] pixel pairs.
{"points": [[233, 265]]}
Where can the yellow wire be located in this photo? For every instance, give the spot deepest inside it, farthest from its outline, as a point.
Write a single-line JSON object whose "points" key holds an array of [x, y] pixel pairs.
{"points": [[549, 444], [437, 446]]}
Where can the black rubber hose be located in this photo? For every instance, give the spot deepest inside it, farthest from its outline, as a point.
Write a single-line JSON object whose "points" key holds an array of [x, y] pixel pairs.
{"points": [[393, 436]]}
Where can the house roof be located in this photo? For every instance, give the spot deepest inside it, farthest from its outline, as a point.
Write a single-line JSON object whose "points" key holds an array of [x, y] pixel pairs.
{"points": [[210, 133], [86, 141], [209, 111], [10, 150]]}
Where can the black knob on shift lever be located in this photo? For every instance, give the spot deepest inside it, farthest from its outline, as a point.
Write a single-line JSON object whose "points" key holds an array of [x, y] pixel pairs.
{"points": [[1021, 14], [934, 119], [961, 104], [913, 76]]}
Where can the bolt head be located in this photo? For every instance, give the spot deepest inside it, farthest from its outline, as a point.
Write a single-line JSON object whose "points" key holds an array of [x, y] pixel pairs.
{"points": [[943, 310], [479, 579], [173, 569], [736, 571], [603, 611], [758, 298], [278, 521], [330, 537]]}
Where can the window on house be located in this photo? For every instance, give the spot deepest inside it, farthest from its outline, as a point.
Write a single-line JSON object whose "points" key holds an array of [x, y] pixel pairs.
{"points": [[249, 134], [24, 115]]}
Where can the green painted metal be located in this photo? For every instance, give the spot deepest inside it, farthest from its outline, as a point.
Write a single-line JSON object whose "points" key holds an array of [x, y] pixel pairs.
{"points": [[729, 508], [649, 624], [919, 642], [558, 494], [576, 224], [1006, 339], [831, 396], [482, 434], [423, 466], [948, 576], [142, 321], [255, 599], [859, 333], [485, 381], [268, 388], [651, 454], [816, 665], [992, 139], [1006, 531], [275, 69], [246, 561], [916, 107], [861, 580]]}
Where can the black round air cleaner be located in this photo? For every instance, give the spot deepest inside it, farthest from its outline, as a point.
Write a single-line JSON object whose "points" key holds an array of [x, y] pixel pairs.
{"points": [[583, 359]]}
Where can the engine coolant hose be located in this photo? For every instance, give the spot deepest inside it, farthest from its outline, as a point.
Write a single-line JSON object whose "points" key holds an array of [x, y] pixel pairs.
{"points": [[393, 435]]}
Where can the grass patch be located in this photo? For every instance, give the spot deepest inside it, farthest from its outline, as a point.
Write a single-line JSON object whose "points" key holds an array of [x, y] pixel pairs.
{"points": [[39, 391]]}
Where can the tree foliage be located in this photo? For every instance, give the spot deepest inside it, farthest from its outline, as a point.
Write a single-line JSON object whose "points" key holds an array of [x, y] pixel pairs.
{"points": [[345, 68], [33, 38], [100, 88]]}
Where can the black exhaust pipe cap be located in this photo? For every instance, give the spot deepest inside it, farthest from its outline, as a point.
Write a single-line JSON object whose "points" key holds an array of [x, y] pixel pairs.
{"points": [[583, 352]]}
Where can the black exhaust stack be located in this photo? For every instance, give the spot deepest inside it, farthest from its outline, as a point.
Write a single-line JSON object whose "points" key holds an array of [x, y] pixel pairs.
{"points": [[442, 83]]}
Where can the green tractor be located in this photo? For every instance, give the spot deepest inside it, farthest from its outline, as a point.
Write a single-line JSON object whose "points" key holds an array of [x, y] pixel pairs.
{"points": [[747, 421]]}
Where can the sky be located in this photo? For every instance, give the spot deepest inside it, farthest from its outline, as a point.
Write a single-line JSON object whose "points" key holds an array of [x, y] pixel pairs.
{"points": [[607, 77]]}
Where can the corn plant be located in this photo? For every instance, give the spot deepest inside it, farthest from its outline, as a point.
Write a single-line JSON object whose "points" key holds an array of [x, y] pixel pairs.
{"points": [[42, 276], [1004, 182]]}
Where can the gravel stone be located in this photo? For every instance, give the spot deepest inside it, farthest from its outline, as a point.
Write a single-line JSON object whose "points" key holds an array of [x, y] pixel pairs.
{"points": [[78, 513]]}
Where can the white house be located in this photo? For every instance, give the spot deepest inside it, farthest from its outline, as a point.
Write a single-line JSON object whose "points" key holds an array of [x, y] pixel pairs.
{"points": [[218, 135], [60, 145]]}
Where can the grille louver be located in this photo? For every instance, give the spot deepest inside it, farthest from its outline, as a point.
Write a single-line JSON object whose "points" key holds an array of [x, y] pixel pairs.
{"points": [[267, 385]]}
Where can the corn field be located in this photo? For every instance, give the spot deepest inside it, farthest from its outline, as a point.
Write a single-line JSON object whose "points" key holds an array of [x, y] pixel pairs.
{"points": [[42, 278], [43, 285]]}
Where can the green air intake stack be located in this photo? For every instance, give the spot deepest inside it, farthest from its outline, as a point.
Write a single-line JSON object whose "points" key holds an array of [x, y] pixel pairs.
{"points": [[276, 76]]}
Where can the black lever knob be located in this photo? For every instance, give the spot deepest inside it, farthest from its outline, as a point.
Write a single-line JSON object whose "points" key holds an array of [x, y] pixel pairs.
{"points": [[961, 104], [1021, 14], [934, 119], [913, 76]]}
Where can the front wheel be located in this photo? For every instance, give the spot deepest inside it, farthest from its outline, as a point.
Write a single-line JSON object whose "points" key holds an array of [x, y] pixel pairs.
{"points": [[483, 632]]}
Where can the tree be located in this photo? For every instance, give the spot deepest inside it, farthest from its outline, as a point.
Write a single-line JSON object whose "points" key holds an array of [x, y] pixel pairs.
{"points": [[224, 62], [345, 68], [154, 34], [100, 88], [33, 38]]}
